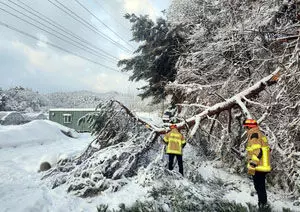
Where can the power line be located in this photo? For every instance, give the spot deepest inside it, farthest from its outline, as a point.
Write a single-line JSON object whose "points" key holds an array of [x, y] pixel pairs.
{"points": [[67, 41], [86, 24], [55, 46], [83, 48], [112, 16], [103, 23], [62, 28]]}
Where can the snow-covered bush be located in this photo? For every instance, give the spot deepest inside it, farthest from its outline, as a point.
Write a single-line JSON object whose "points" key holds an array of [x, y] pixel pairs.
{"points": [[23, 99], [169, 191], [3, 98]]}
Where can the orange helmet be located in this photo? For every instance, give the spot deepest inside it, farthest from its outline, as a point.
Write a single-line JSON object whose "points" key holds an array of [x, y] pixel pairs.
{"points": [[173, 126], [250, 123]]}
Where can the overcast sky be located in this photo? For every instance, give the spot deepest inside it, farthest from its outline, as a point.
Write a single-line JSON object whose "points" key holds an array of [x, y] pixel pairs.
{"points": [[39, 41]]}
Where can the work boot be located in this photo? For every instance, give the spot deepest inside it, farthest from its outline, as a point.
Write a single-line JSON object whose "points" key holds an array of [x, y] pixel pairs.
{"points": [[264, 207]]}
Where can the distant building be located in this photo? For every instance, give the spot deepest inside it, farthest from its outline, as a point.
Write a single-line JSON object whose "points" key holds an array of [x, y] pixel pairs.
{"points": [[69, 117]]}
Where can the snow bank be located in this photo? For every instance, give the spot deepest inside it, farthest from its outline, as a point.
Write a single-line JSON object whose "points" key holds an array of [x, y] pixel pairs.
{"points": [[38, 131], [128, 195], [21, 188]]}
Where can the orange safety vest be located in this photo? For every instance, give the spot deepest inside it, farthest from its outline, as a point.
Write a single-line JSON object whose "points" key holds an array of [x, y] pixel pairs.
{"points": [[258, 150], [174, 140]]}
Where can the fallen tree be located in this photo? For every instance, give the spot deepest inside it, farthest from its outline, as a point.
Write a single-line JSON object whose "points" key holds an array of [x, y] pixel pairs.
{"points": [[239, 63], [238, 99], [129, 139]]}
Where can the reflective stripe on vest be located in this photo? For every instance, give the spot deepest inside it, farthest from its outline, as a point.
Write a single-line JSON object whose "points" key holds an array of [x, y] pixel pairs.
{"points": [[266, 158], [254, 158], [253, 147], [264, 164]]}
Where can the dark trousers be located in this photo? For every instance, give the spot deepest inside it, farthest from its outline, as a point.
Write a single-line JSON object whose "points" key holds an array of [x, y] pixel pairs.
{"points": [[179, 160], [259, 180]]}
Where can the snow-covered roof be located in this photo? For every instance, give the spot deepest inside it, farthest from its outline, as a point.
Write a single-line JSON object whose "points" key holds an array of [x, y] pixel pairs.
{"points": [[72, 109], [34, 116], [11, 118], [5, 114]]}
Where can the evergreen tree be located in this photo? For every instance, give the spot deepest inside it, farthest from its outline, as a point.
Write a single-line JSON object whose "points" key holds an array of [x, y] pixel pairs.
{"points": [[3, 99], [154, 60]]}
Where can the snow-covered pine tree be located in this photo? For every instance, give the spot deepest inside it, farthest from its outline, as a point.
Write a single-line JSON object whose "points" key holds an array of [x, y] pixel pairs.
{"points": [[2, 100], [154, 60]]}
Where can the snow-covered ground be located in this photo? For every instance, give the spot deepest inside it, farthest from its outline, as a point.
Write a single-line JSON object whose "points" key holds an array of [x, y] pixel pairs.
{"points": [[24, 147]]}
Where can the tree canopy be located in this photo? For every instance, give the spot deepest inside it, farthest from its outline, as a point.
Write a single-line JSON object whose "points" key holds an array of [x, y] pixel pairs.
{"points": [[154, 60]]}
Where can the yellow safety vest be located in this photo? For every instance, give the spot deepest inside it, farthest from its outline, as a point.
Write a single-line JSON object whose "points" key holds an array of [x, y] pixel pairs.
{"points": [[174, 140], [258, 150]]}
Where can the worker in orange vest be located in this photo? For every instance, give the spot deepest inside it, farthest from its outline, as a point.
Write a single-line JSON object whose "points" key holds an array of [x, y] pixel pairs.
{"points": [[175, 143], [258, 158]]}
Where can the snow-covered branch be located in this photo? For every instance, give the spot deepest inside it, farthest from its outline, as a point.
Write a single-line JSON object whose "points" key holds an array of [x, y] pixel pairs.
{"points": [[235, 100]]}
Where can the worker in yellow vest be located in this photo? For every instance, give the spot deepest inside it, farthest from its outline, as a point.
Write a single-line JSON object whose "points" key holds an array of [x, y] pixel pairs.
{"points": [[258, 157], [175, 143]]}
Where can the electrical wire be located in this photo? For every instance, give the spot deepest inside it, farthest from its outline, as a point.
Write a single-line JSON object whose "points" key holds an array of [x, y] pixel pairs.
{"points": [[76, 17], [38, 27], [60, 27], [115, 33], [107, 12], [55, 46]]}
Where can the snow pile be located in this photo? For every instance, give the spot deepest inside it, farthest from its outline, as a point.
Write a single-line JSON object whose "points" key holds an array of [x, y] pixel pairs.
{"points": [[22, 149], [38, 131]]}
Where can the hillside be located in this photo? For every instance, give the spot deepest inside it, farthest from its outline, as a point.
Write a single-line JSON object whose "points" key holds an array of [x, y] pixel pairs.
{"points": [[26, 100]]}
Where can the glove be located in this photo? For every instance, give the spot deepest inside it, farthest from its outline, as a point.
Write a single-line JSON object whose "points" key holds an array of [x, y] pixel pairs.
{"points": [[251, 170], [253, 164]]}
